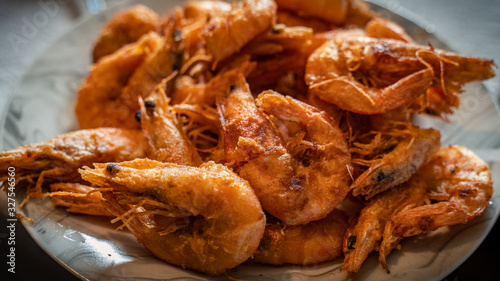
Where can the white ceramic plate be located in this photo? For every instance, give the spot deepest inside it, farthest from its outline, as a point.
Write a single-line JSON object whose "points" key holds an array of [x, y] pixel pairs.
{"points": [[43, 107]]}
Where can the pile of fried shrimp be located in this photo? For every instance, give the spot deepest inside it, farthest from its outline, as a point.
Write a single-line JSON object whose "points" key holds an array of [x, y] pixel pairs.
{"points": [[223, 133]]}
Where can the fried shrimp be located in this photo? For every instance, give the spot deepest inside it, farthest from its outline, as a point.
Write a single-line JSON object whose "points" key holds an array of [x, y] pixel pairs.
{"points": [[459, 188], [124, 28], [452, 188], [100, 102], [228, 33], [409, 148], [329, 76], [58, 159], [167, 141], [366, 233], [459, 184], [207, 219], [312, 243], [348, 73], [297, 181], [320, 161]]}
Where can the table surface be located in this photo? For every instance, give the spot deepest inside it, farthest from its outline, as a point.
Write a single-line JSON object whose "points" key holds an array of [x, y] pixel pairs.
{"points": [[467, 27]]}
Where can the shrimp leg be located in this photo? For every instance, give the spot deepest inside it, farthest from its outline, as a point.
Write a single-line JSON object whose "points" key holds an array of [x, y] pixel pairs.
{"points": [[78, 198]]}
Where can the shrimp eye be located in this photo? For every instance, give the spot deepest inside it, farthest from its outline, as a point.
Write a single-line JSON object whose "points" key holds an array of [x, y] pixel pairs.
{"points": [[178, 61], [380, 177], [277, 29], [112, 168], [177, 36], [138, 116], [233, 87], [149, 103], [351, 242]]}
